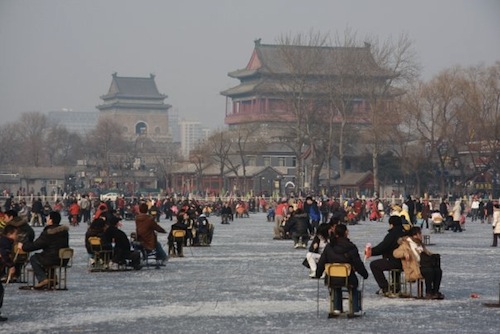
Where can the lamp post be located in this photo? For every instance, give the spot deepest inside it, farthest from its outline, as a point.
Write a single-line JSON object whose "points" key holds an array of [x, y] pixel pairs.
{"points": [[277, 186], [260, 184]]}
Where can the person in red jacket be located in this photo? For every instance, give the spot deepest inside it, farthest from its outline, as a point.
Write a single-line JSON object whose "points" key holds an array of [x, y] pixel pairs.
{"points": [[73, 213]]}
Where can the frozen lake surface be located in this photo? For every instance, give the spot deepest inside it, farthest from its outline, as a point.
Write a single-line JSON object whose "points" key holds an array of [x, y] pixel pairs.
{"points": [[248, 283]]}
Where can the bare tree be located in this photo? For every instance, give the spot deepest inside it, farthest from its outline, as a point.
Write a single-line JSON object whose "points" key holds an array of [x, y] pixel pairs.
{"points": [[10, 144], [399, 60], [244, 140], [409, 146], [303, 60], [434, 106], [344, 98], [219, 145], [480, 91], [200, 157], [165, 159], [63, 147], [32, 127], [106, 139]]}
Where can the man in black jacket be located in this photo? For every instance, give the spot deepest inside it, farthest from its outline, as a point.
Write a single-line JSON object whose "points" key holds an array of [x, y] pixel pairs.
{"points": [[115, 239], [51, 240], [179, 242], [226, 213], [36, 212], [342, 250], [300, 228], [385, 248], [7, 238]]}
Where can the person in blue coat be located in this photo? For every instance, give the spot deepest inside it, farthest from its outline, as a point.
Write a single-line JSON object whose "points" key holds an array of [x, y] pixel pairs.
{"points": [[312, 210]]}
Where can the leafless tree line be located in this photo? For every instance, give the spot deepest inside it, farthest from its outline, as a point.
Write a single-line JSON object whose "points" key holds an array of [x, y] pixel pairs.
{"points": [[409, 129], [417, 130], [32, 141]]}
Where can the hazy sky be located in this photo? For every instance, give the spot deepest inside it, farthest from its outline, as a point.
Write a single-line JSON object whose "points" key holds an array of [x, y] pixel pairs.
{"points": [[61, 54]]}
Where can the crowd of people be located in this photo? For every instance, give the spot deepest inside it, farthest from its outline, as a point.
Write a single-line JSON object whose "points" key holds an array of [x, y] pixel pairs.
{"points": [[17, 234], [402, 250], [322, 220]]}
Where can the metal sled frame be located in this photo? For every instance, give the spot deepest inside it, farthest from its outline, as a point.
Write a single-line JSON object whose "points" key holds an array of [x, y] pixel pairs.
{"points": [[100, 256], [335, 273]]}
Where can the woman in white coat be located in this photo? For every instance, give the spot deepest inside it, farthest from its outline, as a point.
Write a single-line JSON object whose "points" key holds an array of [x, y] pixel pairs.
{"points": [[457, 214], [496, 224], [317, 246]]}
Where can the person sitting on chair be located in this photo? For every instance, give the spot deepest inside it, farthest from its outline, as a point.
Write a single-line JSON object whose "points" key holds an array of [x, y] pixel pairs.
{"points": [[121, 250], [388, 261], [317, 247], [51, 240], [418, 262], [202, 227], [25, 233], [146, 228], [7, 238], [178, 225], [342, 250], [95, 229], [299, 228]]}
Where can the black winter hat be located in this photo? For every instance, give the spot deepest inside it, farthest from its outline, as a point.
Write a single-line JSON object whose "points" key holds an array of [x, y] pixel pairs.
{"points": [[395, 220], [114, 220]]}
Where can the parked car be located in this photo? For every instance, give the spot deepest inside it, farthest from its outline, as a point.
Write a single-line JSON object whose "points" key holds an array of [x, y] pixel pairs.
{"points": [[109, 196]]}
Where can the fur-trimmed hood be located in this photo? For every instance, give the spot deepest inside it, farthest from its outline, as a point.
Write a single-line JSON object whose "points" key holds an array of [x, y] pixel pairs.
{"points": [[54, 229], [402, 239]]}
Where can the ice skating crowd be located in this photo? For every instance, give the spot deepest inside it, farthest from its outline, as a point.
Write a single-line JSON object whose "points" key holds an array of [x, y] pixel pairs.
{"points": [[401, 256], [318, 224]]}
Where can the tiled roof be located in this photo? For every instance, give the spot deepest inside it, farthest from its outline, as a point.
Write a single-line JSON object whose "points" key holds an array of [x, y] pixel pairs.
{"points": [[263, 75], [251, 171], [318, 60], [242, 73], [137, 106], [58, 173], [244, 88], [134, 88], [351, 179]]}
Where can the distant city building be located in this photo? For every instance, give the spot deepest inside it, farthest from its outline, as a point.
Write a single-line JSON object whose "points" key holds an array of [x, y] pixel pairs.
{"points": [[138, 106], [80, 122], [173, 125], [191, 133]]}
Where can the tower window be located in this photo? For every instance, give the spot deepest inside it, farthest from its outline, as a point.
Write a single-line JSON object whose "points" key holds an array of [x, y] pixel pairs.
{"points": [[141, 128]]}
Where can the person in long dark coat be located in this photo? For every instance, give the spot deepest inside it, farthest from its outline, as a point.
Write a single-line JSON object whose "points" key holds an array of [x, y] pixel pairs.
{"points": [[53, 237]]}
